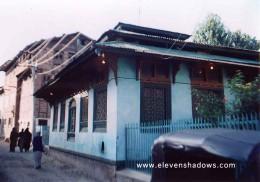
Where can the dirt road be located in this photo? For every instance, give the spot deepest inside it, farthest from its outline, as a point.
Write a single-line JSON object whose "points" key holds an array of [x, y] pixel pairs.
{"points": [[18, 167]]}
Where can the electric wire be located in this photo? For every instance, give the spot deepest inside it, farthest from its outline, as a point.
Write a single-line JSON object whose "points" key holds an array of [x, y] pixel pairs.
{"points": [[62, 49], [68, 60], [54, 47]]}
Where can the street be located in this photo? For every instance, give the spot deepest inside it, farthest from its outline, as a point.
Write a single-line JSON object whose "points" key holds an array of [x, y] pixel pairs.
{"points": [[19, 167]]}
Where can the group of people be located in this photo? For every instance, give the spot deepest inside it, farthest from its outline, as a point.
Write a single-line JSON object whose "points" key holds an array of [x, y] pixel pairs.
{"points": [[23, 139]]}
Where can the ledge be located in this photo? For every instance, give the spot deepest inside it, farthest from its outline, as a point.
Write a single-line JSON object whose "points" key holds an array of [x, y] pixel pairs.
{"points": [[117, 164], [131, 175]]}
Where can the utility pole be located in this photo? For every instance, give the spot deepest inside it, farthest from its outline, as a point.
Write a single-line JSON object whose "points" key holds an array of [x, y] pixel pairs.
{"points": [[33, 69]]}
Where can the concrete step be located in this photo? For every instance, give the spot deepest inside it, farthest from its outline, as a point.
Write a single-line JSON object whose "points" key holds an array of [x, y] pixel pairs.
{"points": [[129, 175]]}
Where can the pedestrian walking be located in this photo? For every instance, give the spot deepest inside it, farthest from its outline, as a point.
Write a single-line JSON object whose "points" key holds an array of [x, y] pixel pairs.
{"points": [[37, 150], [13, 139], [21, 140], [27, 139]]}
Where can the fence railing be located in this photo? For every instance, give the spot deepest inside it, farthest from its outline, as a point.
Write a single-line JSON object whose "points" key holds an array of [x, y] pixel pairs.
{"points": [[140, 136]]}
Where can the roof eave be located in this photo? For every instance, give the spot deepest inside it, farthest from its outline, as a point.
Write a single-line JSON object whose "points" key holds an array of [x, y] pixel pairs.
{"points": [[134, 52]]}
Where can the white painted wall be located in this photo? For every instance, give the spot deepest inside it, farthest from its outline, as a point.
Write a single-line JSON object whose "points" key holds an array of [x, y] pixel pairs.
{"points": [[26, 105], [2, 134]]}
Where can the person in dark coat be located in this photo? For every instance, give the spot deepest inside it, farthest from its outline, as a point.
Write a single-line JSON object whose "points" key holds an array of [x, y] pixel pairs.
{"points": [[21, 140], [27, 139], [13, 139], [37, 150]]}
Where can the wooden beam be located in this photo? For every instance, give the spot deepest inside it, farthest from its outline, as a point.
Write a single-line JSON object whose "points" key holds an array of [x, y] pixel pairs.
{"points": [[112, 63], [175, 69], [138, 69]]}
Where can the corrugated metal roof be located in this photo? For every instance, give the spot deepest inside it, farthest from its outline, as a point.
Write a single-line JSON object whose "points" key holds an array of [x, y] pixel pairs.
{"points": [[171, 53], [176, 40], [151, 31]]}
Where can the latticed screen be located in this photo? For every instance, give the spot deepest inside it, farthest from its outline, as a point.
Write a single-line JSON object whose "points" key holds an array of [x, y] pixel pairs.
{"points": [[62, 115], [84, 113], [100, 114], [72, 118], [101, 105], [155, 104], [55, 117]]}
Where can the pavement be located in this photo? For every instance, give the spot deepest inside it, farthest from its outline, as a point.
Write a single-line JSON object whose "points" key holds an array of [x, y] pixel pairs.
{"points": [[19, 167]]}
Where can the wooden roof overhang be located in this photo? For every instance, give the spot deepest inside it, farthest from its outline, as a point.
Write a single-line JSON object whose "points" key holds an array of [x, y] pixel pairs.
{"points": [[151, 31], [173, 55], [251, 66], [73, 79], [185, 45]]}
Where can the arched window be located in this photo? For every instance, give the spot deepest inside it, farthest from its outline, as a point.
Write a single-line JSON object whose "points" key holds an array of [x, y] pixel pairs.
{"points": [[72, 119]]}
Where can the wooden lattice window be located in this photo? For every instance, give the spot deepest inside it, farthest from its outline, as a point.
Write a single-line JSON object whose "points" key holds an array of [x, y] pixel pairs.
{"points": [[206, 76], [72, 119], [155, 72], [83, 114], [206, 101], [55, 117], [100, 110], [198, 74], [155, 102], [62, 115]]}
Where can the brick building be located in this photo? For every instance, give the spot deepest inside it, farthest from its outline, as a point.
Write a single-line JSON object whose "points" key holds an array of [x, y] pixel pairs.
{"points": [[44, 58]]}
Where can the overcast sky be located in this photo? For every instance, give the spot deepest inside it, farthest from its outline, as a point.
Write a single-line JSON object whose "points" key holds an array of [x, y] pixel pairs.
{"points": [[25, 21]]}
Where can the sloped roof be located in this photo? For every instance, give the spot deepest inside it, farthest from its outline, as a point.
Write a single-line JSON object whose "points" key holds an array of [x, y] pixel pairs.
{"points": [[136, 40], [133, 48], [114, 34], [151, 31], [35, 45], [5, 66], [64, 83]]}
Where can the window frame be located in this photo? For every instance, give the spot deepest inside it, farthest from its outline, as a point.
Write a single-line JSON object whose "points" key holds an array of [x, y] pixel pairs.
{"points": [[55, 117], [83, 128], [70, 132], [62, 116], [168, 112], [207, 82], [155, 77], [211, 83], [218, 92], [99, 125]]}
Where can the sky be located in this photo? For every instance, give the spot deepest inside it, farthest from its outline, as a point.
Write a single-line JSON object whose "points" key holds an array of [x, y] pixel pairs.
{"points": [[25, 21]]}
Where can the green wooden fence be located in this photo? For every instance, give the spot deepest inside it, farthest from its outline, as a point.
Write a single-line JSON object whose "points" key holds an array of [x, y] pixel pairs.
{"points": [[140, 136]]}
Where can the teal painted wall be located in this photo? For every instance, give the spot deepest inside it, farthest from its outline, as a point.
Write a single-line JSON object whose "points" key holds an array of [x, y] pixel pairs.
{"points": [[128, 102], [123, 107], [90, 142], [128, 90], [181, 95], [229, 98]]}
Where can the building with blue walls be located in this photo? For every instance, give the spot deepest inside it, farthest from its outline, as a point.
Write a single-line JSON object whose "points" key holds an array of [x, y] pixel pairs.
{"points": [[134, 74]]}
